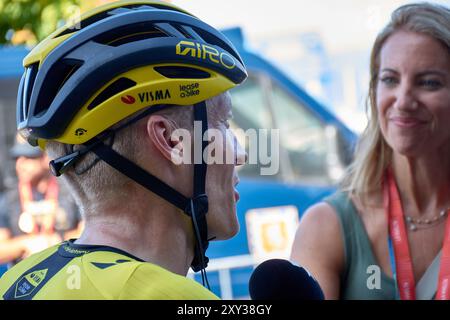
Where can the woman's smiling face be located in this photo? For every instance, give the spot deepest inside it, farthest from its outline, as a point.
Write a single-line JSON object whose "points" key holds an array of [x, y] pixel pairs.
{"points": [[413, 93]]}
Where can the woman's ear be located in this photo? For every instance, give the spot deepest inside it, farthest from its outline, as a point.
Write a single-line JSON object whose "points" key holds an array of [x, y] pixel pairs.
{"points": [[159, 130]]}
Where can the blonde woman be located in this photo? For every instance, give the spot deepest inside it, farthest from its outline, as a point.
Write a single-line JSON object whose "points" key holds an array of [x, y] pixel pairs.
{"points": [[386, 233]]}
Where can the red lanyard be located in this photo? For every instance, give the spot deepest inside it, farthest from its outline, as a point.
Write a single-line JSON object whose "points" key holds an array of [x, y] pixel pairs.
{"points": [[397, 231]]}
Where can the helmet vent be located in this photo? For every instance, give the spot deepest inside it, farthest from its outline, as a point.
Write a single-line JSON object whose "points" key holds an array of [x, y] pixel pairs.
{"points": [[30, 77], [189, 33], [212, 39], [181, 72], [56, 77], [128, 34], [114, 88]]}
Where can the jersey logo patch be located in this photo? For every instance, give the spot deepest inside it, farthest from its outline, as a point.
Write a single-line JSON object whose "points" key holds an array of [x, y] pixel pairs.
{"points": [[26, 285]]}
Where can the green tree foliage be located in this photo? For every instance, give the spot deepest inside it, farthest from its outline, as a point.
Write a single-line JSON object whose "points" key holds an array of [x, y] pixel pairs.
{"points": [[37, 17]]}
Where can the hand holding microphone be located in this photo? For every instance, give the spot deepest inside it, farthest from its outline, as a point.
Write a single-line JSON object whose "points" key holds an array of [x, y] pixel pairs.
{"points": [[279, 279]]}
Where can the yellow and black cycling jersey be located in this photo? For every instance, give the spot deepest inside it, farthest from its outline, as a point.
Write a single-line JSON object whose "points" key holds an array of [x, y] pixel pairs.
{"points": [[74, 271]]}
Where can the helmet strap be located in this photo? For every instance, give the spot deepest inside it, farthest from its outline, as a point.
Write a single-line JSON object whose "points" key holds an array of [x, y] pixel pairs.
{"points": [[198, 214]]}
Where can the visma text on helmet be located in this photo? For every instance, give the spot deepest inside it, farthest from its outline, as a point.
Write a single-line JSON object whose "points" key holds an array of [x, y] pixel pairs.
{"points": [[223, 147], [154, 95], [205, 52]]}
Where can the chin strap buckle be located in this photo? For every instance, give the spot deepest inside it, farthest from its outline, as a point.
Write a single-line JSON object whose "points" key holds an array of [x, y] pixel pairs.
{"points": [[199, 264]]}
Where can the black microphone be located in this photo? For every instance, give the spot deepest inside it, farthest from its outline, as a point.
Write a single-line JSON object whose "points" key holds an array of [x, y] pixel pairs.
{"points": [[278, 279]]}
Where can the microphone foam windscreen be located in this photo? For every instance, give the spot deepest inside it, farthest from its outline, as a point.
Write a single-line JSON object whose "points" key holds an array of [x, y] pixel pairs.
{"points": [[279, 279]]}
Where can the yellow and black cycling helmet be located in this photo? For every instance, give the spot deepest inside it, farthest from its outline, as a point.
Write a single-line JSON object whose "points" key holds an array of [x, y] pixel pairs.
{"points": [[124, 56], [119, 59]]}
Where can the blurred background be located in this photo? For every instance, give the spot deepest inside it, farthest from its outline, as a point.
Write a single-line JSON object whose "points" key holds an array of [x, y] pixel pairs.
{"points": [[308, 65]]}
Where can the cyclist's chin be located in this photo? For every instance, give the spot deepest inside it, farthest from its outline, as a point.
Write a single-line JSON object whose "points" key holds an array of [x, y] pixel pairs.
{"points": [[226, 232], [223, 222]]}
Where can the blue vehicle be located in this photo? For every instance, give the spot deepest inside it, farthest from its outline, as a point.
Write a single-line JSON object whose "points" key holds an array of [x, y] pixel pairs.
{"points": [[315, 147]]}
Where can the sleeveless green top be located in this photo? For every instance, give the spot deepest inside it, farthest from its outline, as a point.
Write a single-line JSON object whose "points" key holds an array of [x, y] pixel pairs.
{"points": [[362, 278]]}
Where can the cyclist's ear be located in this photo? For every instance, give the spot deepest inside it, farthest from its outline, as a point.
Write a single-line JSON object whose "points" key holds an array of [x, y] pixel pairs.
{"points": [[166, 138]]}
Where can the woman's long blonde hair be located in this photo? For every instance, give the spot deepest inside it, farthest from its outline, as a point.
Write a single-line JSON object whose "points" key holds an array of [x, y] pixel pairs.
{"points": [[372, 154]]}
